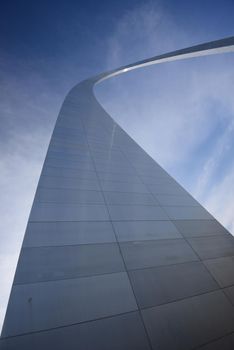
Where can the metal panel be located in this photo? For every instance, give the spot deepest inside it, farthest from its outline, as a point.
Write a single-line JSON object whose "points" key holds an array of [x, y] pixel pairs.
{"points": [[186, 324]]}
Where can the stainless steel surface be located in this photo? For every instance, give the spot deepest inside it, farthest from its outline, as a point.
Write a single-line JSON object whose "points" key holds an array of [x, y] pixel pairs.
{"points": [[117, 255]]}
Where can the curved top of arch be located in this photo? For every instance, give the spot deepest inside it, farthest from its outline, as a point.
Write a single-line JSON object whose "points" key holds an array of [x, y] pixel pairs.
{"points": [[84, 89], [209, 48]]}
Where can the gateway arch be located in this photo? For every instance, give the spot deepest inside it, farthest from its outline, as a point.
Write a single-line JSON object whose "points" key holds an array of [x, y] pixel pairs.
{"points": [[116, 254]]}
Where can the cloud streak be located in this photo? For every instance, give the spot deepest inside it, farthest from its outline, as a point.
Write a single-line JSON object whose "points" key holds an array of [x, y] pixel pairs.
{"points": [[27, 115], [185, 114]]}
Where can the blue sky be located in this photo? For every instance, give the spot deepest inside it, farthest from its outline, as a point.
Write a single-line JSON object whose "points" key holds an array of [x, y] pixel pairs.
{"points": [[184, 119]]}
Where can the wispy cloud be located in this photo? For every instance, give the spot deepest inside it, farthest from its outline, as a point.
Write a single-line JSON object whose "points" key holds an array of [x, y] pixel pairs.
{"points": [[220, 200], [182, 113], [211, 165], [28, 113]]}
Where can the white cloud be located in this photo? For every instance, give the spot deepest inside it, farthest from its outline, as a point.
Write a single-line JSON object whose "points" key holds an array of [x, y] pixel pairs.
{"points": [[210, 166], [27, 118], [175, 111], [19, 174], [220, 201], [7, 268]]}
